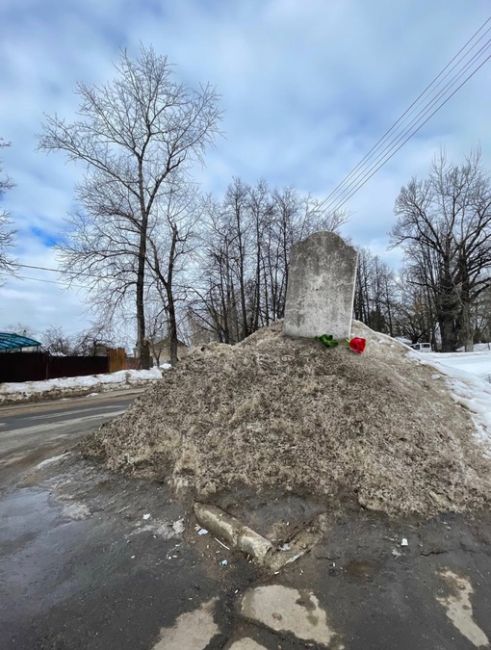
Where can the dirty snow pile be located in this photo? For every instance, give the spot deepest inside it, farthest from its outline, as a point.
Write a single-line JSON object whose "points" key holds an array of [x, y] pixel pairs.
{"points": [[18, 391], [275, 413]]}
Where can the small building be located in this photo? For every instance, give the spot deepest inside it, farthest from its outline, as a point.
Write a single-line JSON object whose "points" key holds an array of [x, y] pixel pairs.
{"points": [[11, 342]]}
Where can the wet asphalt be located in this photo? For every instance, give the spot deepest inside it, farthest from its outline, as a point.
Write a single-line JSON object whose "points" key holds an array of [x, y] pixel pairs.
{"points": [[33, 431], [95, 560]]}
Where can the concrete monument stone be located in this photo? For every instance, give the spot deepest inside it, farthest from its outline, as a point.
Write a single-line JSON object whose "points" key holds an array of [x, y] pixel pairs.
{"points": [[321, 287]]}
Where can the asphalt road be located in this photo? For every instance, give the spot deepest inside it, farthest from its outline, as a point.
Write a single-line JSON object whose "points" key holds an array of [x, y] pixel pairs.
{"points": [[92, 560], [33, 431]]}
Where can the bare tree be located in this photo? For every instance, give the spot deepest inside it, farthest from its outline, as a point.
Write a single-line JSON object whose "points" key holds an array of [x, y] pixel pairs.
{"points": [[6, 232], [445, 227], [56, 341], [170, 245], [134, 135], [482, 317], [245, 257], [90, 341], [23, 329], [414, 314], [157, 326], [376, 293], [261, 209]]}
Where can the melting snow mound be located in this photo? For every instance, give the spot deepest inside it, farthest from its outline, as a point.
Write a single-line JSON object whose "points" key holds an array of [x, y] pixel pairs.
{"points": [[290, 415]]}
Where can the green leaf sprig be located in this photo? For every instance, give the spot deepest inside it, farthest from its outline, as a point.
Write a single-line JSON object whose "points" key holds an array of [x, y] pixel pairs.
{"points": [[327, 340]]}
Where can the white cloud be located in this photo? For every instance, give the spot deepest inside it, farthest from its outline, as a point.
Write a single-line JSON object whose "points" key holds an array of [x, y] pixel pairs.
{"points": [[307, 88]]}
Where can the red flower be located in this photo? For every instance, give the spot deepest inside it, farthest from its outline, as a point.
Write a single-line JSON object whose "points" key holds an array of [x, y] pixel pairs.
{"points": [[357, 344]]}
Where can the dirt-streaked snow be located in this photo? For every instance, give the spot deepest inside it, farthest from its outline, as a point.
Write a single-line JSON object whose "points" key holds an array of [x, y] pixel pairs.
{"points": [[124, 378], [275, 414]]}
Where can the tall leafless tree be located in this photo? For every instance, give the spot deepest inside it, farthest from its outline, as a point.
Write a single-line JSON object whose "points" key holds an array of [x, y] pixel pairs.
{"points": [[93, 339], [170, 246], [134, 135], [56, 341], [444, 224]]}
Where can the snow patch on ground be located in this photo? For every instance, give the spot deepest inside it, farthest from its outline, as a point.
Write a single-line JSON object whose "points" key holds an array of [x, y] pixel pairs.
{"points": [[468, 376], [52, 459], [76, 511], [124, 378], [165, 529]]}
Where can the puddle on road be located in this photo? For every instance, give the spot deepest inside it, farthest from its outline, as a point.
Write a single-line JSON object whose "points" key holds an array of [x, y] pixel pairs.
{"points": [[362, 569], [459, 608], [192, 630], [283, 609]]}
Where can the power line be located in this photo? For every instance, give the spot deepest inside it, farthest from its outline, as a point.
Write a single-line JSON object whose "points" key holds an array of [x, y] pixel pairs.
{"points": [[60, 271], [366, 177], [420, 115], [408, 110], [59, 282], [334, 197]]}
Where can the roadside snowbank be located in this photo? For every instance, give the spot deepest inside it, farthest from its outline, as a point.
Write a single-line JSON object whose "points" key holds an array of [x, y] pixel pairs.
{"points": [[27, 390], [469, 380]]}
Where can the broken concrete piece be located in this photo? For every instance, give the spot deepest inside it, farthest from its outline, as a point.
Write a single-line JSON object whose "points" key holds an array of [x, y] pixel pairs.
{"points": [[233, 531], [283, 609], [321, 287]]}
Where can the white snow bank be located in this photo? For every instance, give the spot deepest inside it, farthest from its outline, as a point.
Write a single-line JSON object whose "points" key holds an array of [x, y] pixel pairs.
{"points": [[120, 379], [478, 347], [469, 378], [475, 363]]}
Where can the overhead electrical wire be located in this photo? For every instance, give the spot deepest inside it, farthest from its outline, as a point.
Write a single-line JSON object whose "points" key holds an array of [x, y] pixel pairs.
{"points": [[59, 282], [61, 271], [408, 110], [425, 109], [372, 161], [376, 166]]}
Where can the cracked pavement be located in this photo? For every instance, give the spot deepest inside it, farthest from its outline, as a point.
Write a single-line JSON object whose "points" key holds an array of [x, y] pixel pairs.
{"points": [[94, 560]]}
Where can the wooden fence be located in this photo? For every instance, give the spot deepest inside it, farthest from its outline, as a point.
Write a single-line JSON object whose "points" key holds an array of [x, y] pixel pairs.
{"points": [[116, 359], [33, 366]]}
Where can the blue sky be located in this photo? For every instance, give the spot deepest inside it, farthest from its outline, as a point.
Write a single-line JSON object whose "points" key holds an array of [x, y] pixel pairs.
{"points": [[306, 87]]}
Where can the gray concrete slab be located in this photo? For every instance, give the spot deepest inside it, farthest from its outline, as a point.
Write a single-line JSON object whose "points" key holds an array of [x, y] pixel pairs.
{"points": [[321, 287]]}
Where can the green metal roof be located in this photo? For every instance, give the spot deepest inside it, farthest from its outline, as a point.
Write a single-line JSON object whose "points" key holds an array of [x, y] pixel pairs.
{"points": [[9, 341]]}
